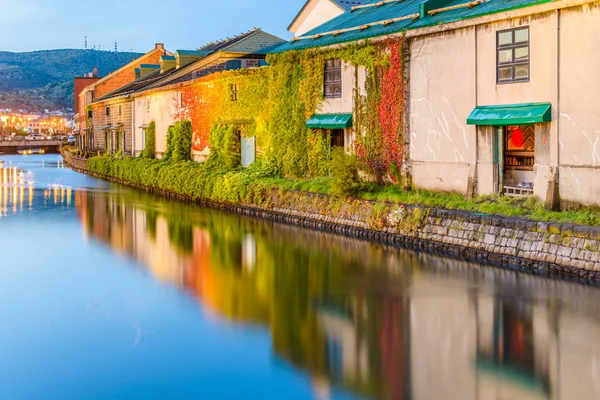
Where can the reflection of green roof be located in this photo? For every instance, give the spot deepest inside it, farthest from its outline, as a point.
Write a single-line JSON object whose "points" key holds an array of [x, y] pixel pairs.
{"points": [[511, 114], [330, 121], [513, 375], [363, 23]]}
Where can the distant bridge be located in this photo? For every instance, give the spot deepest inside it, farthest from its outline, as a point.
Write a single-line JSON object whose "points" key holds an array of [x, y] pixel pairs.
{"points": [[15, 146]]}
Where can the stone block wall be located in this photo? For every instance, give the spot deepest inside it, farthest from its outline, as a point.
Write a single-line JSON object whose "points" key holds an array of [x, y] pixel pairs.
{"points": [[563, 250]]}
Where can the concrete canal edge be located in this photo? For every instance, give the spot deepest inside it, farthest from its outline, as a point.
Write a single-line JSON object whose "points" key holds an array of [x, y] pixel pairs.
{"points": [[542, 248]]}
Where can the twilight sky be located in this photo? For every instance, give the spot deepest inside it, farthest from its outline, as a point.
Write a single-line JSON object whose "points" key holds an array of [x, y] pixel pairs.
{"points": [[27, 25]]}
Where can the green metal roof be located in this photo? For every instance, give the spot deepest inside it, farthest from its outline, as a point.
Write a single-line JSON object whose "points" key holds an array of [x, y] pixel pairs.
{"points": [[330, 121], [364, 16], [511, 114], [149, 66], [171, 58], [196, 53]]}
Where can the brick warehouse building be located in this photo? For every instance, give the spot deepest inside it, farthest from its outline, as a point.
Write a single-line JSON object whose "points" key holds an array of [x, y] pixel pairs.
{"points": [[101, 87]]}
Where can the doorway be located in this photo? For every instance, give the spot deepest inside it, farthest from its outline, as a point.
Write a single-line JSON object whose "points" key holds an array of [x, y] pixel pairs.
{"points": [[515, 159]]}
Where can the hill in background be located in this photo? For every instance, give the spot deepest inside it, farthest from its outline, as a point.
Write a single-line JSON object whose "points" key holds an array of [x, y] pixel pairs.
{"points": [[44, 79]]}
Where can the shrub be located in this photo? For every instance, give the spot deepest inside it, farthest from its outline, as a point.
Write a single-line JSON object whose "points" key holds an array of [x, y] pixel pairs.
{"points": [[344, 171], [169, 151], [225, 150], [181, 141], [149, 150]]}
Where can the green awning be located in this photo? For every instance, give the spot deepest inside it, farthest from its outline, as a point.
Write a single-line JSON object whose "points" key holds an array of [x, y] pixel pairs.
{"points": [[330, 121], [511, 114]]}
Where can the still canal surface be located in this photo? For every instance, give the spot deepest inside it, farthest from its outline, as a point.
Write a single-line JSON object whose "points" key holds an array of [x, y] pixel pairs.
{"points": [[111, 293]]}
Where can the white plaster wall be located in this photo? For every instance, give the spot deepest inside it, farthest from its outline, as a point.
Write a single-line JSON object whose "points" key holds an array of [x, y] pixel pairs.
{"points": [[443, 340], [543, 83], [345, 103], [316, 13], [442, 145], [163, 105], [580, 104]]}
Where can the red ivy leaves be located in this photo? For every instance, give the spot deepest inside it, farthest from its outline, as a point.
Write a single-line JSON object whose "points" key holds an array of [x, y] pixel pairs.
{"points": [[391, 108], [381, 149]]}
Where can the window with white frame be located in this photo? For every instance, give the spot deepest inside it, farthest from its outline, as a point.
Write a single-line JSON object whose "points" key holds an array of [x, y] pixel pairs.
{"points": [[148, 104], [512, 55]]}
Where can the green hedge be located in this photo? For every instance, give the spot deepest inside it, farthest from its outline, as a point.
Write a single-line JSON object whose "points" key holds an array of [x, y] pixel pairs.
{"points": [[149, 150], [188, 178]]}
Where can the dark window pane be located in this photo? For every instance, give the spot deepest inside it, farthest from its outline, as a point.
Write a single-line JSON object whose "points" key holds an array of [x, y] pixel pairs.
{"points": [[505, 74], [521, 53], [522, 71], [522, 35], [505, 38], [505, 56]]}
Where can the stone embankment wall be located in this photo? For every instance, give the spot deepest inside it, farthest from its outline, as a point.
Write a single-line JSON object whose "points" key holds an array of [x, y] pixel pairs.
{"points": [[563, 250]]}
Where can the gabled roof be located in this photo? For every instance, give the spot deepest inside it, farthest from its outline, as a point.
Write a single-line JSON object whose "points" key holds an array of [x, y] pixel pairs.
{"points": [[379, 18], [223, 44], [136, 85], [344, 5], [157, 47]]}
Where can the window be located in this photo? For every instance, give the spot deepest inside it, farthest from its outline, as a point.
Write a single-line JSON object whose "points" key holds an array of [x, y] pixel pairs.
{"points": [[120, 110], [148, 104], [143, 139], [107, 111], [252, 63], [333, 78], [512, 55], [89, 114], [337, 138], [233, 90], [181, 100]]}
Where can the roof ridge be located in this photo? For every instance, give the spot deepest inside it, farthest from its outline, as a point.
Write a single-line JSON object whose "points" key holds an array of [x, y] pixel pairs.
{"points": [[212, 46]]}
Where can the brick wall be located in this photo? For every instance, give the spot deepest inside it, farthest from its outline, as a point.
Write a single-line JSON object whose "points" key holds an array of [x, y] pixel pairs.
{"points": [[127, 75], [120, 112]]}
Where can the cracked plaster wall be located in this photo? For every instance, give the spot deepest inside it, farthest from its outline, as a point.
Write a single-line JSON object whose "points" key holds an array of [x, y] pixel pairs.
{"points": [[442, 95], [579, 141]]}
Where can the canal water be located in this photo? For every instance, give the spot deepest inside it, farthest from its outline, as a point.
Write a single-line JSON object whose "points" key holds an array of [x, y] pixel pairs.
{"points": [[111, 293]]}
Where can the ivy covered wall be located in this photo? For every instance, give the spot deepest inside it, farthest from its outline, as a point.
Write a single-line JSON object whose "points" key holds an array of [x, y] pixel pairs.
{"points": [[274, 104]]}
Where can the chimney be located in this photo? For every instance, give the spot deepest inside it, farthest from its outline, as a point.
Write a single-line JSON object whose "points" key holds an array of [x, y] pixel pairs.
{"points": [[159, 46], [95, 72]]}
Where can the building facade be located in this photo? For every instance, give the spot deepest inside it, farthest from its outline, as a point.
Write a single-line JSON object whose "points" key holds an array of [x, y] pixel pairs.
{"points": [[500, 98]]}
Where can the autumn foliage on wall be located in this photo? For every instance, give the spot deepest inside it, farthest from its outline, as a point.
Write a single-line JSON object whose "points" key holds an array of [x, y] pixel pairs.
{"points": [[380, 114], [226, 97]]}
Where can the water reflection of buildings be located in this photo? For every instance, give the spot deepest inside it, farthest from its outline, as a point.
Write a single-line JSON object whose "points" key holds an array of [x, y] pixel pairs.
{"points": [[393, 325], [17, 192]]}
